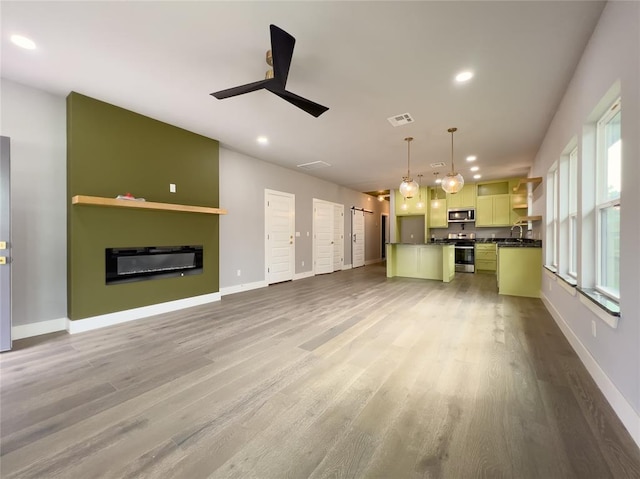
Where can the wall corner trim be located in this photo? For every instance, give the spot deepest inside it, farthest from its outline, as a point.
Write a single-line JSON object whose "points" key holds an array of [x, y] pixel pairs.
{"points": [[625, 411], [36, 329], [103, 320]]}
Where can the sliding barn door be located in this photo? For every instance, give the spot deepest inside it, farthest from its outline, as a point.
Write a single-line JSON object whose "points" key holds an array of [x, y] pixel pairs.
{"points": [[357, 238]]}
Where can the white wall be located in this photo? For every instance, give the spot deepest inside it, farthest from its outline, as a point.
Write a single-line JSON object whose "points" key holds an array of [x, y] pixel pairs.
{"points": [[36, 123], [613, 356], [242, 230]]}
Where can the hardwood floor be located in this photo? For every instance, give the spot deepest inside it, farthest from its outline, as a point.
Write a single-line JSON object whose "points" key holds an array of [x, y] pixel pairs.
{"points": [[343, 375]]}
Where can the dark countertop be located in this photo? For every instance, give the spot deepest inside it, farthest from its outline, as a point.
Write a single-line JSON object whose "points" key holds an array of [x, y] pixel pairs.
{"points": [[519, 245], [430, 243]]}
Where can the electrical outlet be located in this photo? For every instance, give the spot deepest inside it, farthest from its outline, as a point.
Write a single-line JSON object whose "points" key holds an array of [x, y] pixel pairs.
{"points": [[239, 272], [593, 328], [172, 187]]}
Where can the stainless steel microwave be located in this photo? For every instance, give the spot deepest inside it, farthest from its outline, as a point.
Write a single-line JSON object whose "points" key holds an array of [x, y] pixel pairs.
{"points": [[467, 215]]}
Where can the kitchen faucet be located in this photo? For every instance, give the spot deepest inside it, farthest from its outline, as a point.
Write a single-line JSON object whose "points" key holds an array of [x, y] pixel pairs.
{"points": [[519, 226]]}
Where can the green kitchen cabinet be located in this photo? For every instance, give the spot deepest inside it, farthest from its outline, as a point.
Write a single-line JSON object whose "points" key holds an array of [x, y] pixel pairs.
{"points": [[416, 206], [486, 257], [437, 208], [465, 198], [493, 210]]}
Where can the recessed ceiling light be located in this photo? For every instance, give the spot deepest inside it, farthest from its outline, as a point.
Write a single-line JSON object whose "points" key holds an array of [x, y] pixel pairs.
{"points": [[477, 177], [263, 140], [474, 168], [472, 158], [439, 180], [464, 76], [23, 42]]}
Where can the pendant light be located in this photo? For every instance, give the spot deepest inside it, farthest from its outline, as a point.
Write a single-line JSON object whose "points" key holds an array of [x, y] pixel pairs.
{"points": [[452, 182], [420, 203], [408, 187]]}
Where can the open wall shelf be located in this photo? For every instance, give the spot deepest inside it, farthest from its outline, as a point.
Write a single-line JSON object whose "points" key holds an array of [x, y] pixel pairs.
{"points": [[527, 182], [149, 205]]}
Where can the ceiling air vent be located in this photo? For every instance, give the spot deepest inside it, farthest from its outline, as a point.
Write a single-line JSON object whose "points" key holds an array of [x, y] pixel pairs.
{"points": [[402, 119], [440, 164], [314, 165]]}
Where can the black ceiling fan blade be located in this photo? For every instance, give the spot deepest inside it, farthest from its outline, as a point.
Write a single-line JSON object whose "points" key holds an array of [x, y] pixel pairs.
{"points": [[239, 90], [310, 107], [281, 51]]}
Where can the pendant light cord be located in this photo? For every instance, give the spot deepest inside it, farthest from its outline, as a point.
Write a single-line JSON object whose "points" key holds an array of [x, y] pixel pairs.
{"points": [[408, 140], [452, 130]]}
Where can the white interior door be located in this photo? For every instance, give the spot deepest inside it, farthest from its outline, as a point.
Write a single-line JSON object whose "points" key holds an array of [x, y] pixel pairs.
{"points": [[5, 244], [338, 237], [280, 230], [357, 238], [322, 237]]}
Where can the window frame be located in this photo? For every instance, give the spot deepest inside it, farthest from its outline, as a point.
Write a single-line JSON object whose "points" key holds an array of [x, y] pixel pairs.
{"points": [[604, 204], [553, 179], [572, 269]]}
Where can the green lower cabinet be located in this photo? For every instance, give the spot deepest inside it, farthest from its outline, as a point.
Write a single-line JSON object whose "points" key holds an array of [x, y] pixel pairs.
{"points": [[486, 258], [424, 261], [520, 271]]}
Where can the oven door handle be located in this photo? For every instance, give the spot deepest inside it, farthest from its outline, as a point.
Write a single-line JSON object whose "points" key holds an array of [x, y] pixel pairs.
{"points": [[464, 247]]}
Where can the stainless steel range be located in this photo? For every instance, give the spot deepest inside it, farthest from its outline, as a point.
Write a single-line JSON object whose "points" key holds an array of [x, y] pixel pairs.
{"points": [[464, 244]]}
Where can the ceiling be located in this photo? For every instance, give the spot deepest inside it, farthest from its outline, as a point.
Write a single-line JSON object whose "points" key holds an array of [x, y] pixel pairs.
{"points": [[366, 61]]}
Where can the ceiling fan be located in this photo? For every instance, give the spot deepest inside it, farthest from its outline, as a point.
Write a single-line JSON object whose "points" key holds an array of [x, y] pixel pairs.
{"points": [[280, 58]]}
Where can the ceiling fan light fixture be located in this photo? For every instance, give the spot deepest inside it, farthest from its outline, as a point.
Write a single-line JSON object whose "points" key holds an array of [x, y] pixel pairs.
{"points": [[453, 181]]}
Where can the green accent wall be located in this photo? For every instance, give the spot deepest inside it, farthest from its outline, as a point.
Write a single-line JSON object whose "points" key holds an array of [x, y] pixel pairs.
{"points": [[112, 151]]}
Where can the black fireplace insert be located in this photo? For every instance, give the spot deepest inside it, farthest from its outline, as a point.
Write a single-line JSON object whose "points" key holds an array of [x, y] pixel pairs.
{"points": [[151, 262]]}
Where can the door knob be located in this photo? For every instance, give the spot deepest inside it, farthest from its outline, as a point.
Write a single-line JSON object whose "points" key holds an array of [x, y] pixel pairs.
{"points": [[3, 260]]}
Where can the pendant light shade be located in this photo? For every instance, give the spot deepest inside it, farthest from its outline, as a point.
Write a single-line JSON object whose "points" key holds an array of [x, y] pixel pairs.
{"points": [[453, 181], [408, 187]]}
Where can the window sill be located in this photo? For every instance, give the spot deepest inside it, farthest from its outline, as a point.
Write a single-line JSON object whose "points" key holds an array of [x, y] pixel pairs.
{"points": [[601, 306], [568, 283], [550, 271]]}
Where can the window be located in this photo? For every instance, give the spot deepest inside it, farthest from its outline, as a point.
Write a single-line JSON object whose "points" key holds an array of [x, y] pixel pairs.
{"points": [[608, 185], [552, 217], [573, 213]]}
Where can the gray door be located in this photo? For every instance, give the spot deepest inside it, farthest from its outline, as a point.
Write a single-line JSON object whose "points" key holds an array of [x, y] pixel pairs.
{"points": [[5, 245]]}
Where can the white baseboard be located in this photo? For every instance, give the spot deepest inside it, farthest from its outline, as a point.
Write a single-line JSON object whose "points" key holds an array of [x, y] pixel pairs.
{"points": [[373, 261], [346, 266], [36, 329], [305, 274], [239, 288], [103, 320], [625, 411]]}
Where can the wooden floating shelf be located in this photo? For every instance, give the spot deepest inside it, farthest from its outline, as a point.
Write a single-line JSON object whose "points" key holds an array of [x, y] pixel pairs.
{"points": [[148, 205], [522, 219], [534, 182]]}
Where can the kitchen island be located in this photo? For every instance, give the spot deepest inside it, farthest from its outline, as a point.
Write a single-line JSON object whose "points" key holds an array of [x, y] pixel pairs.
{"points": [[423, 261]]}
